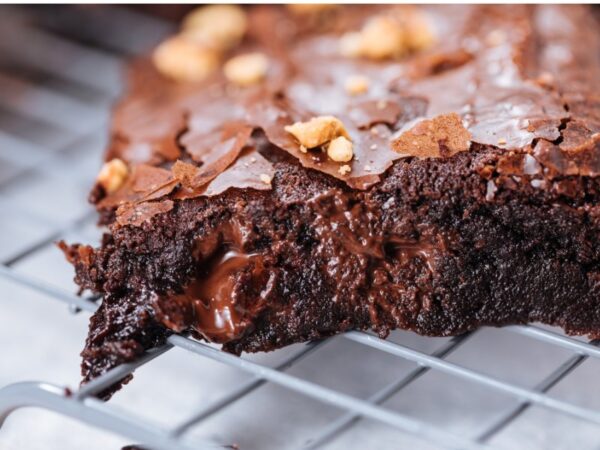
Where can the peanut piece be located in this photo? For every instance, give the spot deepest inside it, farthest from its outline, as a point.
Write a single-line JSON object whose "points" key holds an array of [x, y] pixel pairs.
{"points": [[495, 38], [357, 84], [419, 31], [112, 175], [380, 38], [351, 44], [389, 36], [343, 170], [248, 69], [340, 150], [317, 131], [182, 60], [265, 178], [218, 26]]}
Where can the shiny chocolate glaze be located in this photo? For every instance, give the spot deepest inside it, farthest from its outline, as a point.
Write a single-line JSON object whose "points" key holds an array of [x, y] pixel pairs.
{"points": [[507, 72]]}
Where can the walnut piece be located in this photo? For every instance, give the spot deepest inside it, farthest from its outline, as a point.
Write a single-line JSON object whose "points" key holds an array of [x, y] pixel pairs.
{"points": [[183, 60], [340, 150], [356, 84], [317, 131], [442, 136], [112, 175], [247, 69], [218, 26]]}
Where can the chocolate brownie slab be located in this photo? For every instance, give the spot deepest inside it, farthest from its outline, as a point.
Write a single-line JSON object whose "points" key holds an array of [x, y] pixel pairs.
{"points": [[278, 175]]}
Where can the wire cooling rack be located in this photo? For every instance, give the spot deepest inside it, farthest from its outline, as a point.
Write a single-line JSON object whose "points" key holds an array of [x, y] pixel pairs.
{"points": [[51, 61]]}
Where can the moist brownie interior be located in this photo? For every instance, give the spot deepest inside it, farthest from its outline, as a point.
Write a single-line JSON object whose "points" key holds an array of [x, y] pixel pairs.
{"points": [[471, 197]]}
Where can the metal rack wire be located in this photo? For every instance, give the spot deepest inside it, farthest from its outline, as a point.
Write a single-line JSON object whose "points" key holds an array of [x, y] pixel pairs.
{"points": [[35, 34]]}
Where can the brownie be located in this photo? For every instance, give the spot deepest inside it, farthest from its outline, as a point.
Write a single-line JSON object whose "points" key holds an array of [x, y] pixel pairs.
{"points": [[451, 182]]}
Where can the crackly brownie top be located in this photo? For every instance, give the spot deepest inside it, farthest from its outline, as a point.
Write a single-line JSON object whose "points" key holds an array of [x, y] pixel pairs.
{"points": [[349, 90]]}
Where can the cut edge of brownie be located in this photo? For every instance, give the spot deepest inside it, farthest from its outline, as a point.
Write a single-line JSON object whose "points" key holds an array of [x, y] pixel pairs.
{"points": [[434, 248]]}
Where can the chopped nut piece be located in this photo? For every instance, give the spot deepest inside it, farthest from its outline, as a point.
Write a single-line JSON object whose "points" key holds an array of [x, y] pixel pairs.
{"points": [[389, 36], [303, 149], [501, 141], [419, 31], [381, 104], [246, 69], [340, 150], [218, 26], [545, 79], [112, 175], [343, 170], [351, 44], [380, 38], [357, 84], [444, 135], [182, 60], [265, 178], [317, 131], [495, 38]]}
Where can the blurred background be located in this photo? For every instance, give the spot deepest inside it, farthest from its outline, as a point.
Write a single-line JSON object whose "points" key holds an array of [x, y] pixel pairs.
{"points": [[60, 72]]}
